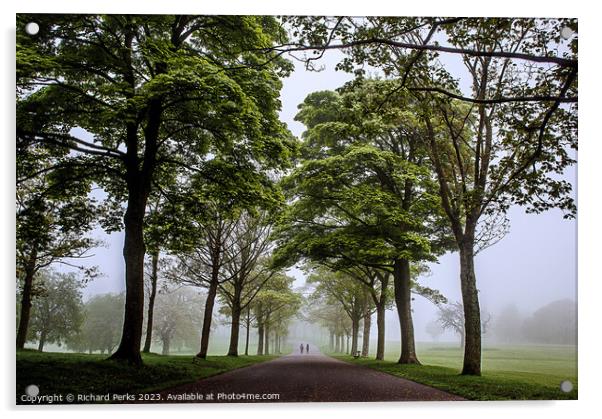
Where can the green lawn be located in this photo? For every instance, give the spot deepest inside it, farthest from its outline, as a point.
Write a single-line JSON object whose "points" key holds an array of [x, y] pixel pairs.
{"points": [[64, 373], [509, 372]]}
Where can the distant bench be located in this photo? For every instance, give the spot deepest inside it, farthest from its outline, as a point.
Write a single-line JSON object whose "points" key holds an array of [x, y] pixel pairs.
{"points": [[357, 354]]}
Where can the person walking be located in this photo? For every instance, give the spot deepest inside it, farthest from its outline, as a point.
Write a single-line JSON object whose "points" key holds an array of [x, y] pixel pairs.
{"points": [[301, 348], [306, 348]]}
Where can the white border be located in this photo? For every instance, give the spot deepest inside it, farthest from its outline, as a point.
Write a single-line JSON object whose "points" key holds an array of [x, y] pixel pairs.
{"points": [[589, 204]]}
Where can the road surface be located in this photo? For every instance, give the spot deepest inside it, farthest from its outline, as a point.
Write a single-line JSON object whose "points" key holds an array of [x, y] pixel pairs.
{"points": [[305, 377]]}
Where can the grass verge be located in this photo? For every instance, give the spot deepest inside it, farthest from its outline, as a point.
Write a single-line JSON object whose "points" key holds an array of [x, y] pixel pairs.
{"points": [[67, 373], [492, 385]]}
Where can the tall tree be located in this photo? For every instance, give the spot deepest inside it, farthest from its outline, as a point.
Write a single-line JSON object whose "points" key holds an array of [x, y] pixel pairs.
{"points": [[135, 95], [365, 195], [201, 261], [248, 268], [155, 236]]}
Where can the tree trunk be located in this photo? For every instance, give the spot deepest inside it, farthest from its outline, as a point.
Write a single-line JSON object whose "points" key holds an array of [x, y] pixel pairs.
{"points": [[151, 302], [267, 338], [26, 301], [235, 328], [337, 346], [207, 315], [472, 311], [248, 323], [166, 343], [260, 333], [42, 342], [380, 325], [355, 330], [347, 347], [403, 300], [133, 254], [331, 341], [366, 337]]}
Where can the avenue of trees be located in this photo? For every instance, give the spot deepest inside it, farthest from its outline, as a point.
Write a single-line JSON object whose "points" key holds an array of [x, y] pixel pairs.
{"points": [[166, 128]]}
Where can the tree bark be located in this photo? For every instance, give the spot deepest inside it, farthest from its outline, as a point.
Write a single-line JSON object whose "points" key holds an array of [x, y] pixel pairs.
{"points": [[472, 311], [267, 336], [207, 316], [347, 346], [337, 346], [355, 330], [366, 337], [42, 341], [380, 325], [331, 341], [26, 299], [151, 302], [235, 328], [248, 323], [260, 333], [166, 343], [403, 300], [133, 254]]}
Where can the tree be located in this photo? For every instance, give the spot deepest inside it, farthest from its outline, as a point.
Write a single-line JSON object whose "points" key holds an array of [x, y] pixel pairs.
{"points": [[247, 268], [57, 312], [134, 96], [379, 287], [156, 234], [177, 317], [276, 295], [51, 223], [351, 295], [202, 260], [451, 317], [103, 315], [511, 141], [365, 197]]}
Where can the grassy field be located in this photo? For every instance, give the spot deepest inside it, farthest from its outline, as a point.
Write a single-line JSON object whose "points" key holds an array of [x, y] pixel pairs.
{"points": [[509, 372], [64, 373]]}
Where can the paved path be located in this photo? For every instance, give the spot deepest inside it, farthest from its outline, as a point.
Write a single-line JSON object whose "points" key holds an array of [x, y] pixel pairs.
{"points": [[305, 377]]}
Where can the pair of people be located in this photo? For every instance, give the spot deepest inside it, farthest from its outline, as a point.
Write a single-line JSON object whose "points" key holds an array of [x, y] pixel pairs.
{"points": [[301, 347]]}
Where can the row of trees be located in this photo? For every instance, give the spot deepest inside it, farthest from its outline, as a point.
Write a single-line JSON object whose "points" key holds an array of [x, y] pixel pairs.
{"points": [[176, 119], [60, 317], [397, 171]]}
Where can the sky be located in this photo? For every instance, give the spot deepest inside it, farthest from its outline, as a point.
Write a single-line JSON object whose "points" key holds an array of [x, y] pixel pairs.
{"points": [[533, 265]]}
